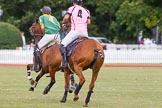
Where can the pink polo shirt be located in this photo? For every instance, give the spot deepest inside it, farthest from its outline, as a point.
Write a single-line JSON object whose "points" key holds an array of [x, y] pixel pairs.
{"points": [[79, 16]]}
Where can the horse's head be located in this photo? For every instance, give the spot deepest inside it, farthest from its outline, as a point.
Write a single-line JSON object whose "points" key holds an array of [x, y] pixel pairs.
{"points": [[35, 30]]}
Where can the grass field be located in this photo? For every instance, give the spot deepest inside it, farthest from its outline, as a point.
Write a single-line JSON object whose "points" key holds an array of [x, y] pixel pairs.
{"points": [[115, 88]]}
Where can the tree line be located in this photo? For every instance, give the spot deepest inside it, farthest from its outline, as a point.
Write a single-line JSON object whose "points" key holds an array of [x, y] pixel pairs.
{"points": [[117, 20]]}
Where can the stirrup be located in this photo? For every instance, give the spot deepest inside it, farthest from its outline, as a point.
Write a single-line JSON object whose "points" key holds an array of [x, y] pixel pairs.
{"points": [[64, 65]]}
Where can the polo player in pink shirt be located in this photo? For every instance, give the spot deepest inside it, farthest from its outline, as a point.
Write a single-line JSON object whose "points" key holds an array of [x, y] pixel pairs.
{"points": [[79, 18]]}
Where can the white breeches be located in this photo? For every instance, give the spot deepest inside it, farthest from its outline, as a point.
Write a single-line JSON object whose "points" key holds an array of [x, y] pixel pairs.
{"points": [[71, 36], [48, 38]]}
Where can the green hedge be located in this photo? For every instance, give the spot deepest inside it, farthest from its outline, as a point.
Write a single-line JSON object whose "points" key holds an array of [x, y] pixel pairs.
{"points": [[10, 37]]}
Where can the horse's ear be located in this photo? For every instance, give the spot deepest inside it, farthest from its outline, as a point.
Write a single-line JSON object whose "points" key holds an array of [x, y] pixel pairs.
{"points": [[37, 21]]}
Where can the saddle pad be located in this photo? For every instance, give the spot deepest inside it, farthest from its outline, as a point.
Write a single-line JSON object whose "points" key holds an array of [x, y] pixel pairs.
{"points": [[71, 47]]}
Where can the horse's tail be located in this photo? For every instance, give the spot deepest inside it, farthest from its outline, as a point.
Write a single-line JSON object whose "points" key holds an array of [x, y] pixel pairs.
{"points": [[98, 58], [100, 54], [100, 51]]}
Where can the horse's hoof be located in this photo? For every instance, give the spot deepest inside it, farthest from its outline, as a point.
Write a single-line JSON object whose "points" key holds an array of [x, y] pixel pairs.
{"points": [[63, 100], [48, 76], [85, 105], [31, 89], [45, 92], [32, 82], [75, 98], [72, 88], [70, 91]]}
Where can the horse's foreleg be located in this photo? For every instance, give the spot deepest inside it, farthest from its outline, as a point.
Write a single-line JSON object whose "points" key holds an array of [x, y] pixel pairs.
{"points": [[36, 81], [66, 77], [47, 89], [73, 84], [52, 75], [29, 76], [91, 86]]}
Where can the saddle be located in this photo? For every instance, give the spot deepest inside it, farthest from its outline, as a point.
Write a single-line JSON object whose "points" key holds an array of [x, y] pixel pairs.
{"points": [[73, 44], [53, 42]]}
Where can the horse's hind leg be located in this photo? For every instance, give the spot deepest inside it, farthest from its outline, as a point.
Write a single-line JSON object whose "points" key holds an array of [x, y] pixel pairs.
{"points": [[66, 77], [95, 72], [36, 81], [73, 84], [81, 82]]}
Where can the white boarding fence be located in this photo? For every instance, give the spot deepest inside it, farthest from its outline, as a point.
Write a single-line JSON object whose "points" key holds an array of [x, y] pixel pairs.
{"points": [[111, 56]]}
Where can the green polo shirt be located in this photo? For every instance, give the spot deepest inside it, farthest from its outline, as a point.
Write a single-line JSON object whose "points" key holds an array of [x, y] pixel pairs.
{"points": [[50, 23]]}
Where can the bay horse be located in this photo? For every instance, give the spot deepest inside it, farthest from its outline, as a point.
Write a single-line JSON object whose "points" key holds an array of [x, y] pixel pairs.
{"points": [[87, 54], [50, 61]]}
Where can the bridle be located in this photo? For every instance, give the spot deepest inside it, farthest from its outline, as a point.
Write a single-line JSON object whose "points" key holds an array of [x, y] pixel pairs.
{"points": [[31, 30]]}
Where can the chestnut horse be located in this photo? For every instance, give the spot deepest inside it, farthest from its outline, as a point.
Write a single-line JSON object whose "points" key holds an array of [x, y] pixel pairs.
{"points": [[87, 54], [50, 61]]}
